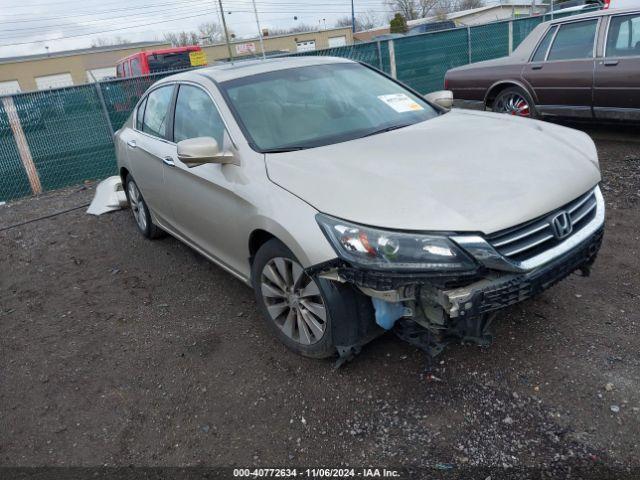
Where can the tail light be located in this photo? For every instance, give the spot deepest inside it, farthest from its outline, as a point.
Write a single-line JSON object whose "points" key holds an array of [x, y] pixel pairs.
{"points": [[446, 83], [606, 4]]}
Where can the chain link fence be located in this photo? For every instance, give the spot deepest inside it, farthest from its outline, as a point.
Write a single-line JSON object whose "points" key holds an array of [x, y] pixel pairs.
{"points": [[55, 138]]}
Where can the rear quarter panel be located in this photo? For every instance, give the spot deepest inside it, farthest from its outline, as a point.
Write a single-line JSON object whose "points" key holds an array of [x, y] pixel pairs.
{"points": [[474, 83]]}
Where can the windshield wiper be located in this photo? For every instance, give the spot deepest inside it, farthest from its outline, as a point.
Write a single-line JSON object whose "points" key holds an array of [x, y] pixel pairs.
{"points": [[387, 129], [283, 149]]}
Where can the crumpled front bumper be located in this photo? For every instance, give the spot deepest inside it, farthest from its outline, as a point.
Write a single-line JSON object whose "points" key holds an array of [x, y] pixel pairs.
{"points": [[501, 290]]}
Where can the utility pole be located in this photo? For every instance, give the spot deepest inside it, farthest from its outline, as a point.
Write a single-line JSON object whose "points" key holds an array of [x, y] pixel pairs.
{"points": [[353, 18], [226, 32], [255, 10]]}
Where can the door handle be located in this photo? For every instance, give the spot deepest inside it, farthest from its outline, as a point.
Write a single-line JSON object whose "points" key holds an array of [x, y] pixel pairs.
{"points": [[611, 63], [168, 161], [132, 144], [536, 67]]}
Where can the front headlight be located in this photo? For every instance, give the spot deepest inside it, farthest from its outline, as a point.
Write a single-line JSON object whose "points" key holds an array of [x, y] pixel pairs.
{"points": [[374, 248]]}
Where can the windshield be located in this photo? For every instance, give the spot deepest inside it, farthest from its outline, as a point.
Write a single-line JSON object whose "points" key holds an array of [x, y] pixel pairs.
{"points": [[320, 105]]}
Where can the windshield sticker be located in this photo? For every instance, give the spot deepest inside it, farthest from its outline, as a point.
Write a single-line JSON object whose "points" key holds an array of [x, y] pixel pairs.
{"points": [[400, 102]]}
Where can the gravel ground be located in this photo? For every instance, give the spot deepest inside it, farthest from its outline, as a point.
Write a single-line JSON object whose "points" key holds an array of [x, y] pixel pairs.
{"points": [[120, 351]]}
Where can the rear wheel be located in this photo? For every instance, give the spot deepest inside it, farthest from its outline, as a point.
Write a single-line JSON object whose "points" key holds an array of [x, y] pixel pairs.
{"points": [[140, 210], [515, 101]]}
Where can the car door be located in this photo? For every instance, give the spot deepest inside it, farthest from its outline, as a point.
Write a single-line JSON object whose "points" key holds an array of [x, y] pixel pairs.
{"points": [[150, 146], [562, 78], [206, 210], [617, 75]]}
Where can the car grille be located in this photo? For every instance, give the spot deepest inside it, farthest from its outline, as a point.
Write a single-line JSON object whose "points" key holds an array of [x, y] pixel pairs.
{"points": [[532, 238]]}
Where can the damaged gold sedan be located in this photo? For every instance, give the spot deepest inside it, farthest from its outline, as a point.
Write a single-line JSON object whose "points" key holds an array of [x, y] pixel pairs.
{"points": [[352, 205]]}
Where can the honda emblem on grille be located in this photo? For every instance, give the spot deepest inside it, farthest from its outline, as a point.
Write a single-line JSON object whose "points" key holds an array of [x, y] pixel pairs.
{"points": [[561, 225]]}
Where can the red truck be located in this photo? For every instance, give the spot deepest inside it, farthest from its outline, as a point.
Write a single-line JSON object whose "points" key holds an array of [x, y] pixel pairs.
{"points": [[166, 59]]}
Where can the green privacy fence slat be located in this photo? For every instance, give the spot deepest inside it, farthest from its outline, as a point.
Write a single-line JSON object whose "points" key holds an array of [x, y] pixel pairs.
{"points": [[14, 182], [523, 27], [489, 41], [70, 142], [422, 60]]}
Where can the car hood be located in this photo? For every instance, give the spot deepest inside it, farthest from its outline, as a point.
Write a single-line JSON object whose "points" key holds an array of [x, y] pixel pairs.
{"points": [[461, 171]]}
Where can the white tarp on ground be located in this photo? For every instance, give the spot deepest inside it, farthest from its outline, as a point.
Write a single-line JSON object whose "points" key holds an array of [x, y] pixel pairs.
{"points": [[109, 196]]}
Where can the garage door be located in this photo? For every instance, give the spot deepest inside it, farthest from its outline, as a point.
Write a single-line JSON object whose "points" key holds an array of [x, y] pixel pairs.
{"points": [[11, 86], [306, 46], [54, 81], [337, 41]]}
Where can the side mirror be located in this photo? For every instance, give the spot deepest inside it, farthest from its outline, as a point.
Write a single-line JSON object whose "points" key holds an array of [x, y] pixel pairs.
{"points": [[442, 98], [197, 151]]}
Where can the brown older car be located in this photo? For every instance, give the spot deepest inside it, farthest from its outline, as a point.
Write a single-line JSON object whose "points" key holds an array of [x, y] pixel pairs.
{"points": [[586, 66]]}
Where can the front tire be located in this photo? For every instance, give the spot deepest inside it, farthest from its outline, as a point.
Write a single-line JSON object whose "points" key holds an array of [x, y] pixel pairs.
{"points": [[350, 319], [515, 101], [292, 302]]}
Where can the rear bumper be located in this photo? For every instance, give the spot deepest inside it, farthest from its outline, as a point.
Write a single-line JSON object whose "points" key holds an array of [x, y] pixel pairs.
{"points": [[502, 290]]}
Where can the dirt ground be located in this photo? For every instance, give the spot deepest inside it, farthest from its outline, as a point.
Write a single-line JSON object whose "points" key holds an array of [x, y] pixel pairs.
{"points": [[118, 351]]}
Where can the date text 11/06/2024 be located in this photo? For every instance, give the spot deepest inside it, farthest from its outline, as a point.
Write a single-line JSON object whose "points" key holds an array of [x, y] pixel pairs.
{"points": [[316, 473]]}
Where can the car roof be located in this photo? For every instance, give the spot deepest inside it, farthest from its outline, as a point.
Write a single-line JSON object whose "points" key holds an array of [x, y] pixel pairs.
{"points": [[246, 68]]}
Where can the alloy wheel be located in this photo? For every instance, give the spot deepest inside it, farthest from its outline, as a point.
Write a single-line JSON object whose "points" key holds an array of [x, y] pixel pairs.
{"points": [[137, 206], [293, 301], [514, 104]]}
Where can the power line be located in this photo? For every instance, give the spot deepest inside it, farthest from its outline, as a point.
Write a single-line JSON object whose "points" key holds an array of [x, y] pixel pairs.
{"points": [[100, 12], [234, 6], [81, 27], [98, 20], [103, 31]]}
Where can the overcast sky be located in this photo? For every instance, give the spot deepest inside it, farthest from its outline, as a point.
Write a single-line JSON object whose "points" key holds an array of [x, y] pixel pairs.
{"points": [[29, 26]]}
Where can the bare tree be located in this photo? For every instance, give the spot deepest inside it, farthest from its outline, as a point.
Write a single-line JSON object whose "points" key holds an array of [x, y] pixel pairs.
{"points": [[181, 39], [449, 6], [413, 9], [367, 21], [301, 28], [206, 34], [364, 21], [406, 8], [469, 4], [343, 22], [210, 33], [109, 41]]}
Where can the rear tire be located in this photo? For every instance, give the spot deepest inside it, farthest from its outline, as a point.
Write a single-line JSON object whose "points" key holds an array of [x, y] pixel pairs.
{"points": [[140, 210], [515, 101]]}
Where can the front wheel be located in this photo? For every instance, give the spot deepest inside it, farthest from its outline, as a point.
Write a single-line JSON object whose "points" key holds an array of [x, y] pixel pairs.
{"points": [[312, 316], [515, 101]]}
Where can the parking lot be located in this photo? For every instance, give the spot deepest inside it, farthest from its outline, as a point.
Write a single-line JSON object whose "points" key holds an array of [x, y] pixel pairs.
{"points": [[120, 351]]}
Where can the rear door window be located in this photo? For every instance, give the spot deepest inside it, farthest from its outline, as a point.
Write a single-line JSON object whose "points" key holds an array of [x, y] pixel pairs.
{"points": [[127, 71], [574, 41], [541, 52], [156, 111], [623, 39]]}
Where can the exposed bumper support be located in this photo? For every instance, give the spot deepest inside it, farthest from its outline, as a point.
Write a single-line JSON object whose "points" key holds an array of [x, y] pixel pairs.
{"points": [[502, 290]]}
